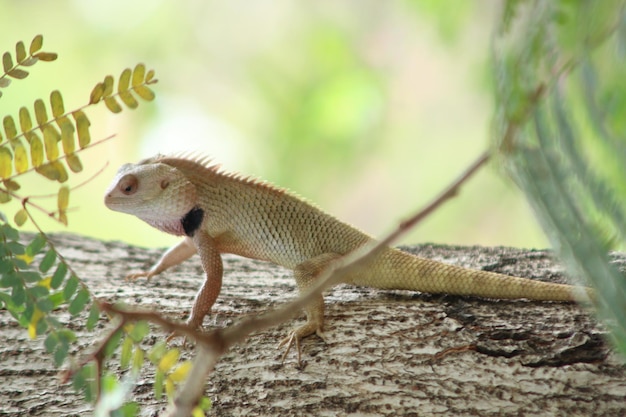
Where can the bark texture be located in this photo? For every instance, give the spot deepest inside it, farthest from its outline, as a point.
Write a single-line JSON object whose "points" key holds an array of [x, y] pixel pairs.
{"points": [[388, 353]]}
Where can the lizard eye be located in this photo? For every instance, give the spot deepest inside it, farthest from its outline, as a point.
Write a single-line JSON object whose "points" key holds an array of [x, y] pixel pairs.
{"points": [[165, 184], [128, 185]]}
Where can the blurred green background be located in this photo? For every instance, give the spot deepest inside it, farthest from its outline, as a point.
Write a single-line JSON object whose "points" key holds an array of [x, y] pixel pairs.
{"points": [[368, 108]]}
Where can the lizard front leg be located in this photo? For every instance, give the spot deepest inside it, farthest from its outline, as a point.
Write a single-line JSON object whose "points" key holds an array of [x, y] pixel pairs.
{"points": [[173, 256], [212, 265], [306, 274]]}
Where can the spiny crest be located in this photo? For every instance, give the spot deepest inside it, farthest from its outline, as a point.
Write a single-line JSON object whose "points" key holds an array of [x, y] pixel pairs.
{"points": [[197, 163]]}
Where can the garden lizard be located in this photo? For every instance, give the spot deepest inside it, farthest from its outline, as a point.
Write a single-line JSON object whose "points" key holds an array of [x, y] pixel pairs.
{"points": [[220, 212]]}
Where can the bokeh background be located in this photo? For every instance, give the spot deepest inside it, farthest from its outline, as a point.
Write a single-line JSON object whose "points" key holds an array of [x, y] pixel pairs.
{"points": [[368, 108]]}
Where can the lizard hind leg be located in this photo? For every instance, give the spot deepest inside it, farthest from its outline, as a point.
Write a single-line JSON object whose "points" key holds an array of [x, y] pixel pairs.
{"points": [[306, 274]]}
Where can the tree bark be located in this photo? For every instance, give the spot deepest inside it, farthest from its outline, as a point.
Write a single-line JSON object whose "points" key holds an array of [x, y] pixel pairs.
{"points": [[387, 352]]}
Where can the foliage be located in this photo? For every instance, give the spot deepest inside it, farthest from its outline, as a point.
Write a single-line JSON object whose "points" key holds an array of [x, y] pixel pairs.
{"points": [[561, 89], [36, 283]]}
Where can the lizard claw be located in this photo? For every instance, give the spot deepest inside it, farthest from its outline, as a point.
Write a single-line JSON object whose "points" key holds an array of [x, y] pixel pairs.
{"points": [[294, 338]]}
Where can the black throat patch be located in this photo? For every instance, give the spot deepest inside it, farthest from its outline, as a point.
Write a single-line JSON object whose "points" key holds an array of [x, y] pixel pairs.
{"points": [[192, 221]]}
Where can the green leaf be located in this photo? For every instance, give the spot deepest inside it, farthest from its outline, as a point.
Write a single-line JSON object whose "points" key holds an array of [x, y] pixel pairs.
{"points": [[47, 261], [36, 245], [60, 354], [159, 379], [140, 330], [51, 342], [70, 287], [82, 126], [112, 344], [58, 276], [94, 316], [126, 353], [78, 303], [56, 103], [37, 291], [7, 279], [36, 44], [18, 295], [45, 305]]}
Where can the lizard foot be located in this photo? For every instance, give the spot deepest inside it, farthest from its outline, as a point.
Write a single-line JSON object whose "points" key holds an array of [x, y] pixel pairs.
{"points": [[136, 275], [294, 338]]}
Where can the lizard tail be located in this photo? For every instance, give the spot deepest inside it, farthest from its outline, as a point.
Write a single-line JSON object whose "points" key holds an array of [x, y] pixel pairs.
{"points": [[402, 271]]}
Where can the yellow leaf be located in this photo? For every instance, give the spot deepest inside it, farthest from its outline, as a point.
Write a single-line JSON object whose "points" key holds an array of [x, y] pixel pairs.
{"points": [[139, 74], [9, 127], [150, 77], [62, 172], [40, 112], [197, 412], [56, 103], [51, 138], [82, 125], [96, 93], [6, 165], [67, 134], [144, 92], [24, 257], [124, 81], [20, 51], [108, 86], [11, 185], [32, 326], [7, 62], [45, 282], [181, 371], [74, 162], [21, 156], [63, 198], [169, 388], [4, 196], [20, 218], [112, 104], [168, 360], [36, 44], [128, 99], [36, 149], [25, 121]]}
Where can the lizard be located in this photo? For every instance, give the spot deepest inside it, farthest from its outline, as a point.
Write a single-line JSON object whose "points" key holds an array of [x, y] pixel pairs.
{"points": [[221, 212]]}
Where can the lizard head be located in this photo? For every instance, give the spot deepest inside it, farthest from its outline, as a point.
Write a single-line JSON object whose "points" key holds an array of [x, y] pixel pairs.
{"points": [[157, 193]]}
